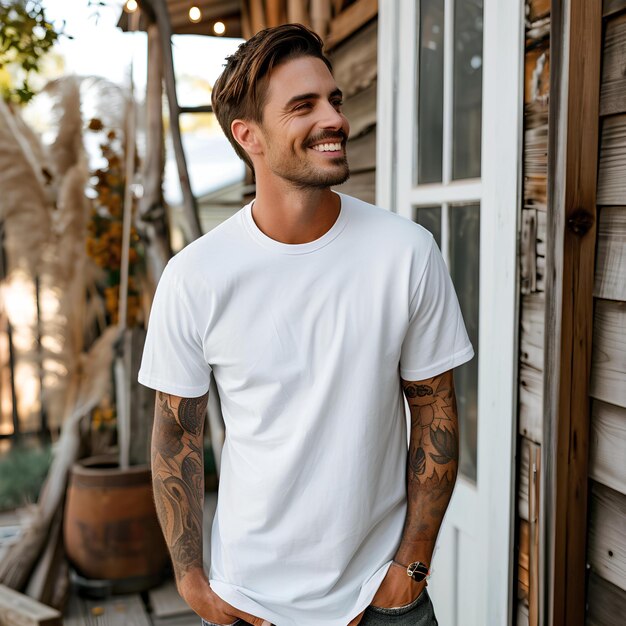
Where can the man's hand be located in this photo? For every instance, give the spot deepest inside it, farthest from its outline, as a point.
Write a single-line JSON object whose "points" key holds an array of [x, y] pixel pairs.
{"points": [[397, 589], [197, 593]]}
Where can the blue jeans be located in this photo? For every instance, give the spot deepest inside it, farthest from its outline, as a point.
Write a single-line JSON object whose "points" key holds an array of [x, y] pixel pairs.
{"points": [[419, 613]]}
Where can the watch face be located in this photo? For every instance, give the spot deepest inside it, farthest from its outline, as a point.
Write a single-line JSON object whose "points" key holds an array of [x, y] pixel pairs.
{"points": [[418, 571]]}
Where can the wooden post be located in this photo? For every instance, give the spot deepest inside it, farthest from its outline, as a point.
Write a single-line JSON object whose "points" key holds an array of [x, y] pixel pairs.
{"points": [[575, 50], [152, 217], [190, 210]]}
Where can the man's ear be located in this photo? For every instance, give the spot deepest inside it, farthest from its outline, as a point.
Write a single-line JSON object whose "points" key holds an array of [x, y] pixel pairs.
{"points": [[248, 136]]}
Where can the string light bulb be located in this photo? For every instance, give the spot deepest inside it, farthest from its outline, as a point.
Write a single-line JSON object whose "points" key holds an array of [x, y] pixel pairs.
{"points": [[131, 6], [219, 28], [195, 15]]}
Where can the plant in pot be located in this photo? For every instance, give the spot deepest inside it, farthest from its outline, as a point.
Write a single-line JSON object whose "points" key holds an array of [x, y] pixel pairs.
{"points": [[111, 531]]}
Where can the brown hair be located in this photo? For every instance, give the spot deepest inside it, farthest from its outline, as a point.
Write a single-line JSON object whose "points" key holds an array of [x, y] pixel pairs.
{"points": [[239, 92]]}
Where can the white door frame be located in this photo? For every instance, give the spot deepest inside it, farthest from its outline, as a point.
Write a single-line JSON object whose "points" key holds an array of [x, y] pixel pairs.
{"points": [[492, 498]]}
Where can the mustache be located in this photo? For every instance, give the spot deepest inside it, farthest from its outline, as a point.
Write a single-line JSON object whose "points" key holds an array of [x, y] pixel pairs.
{"points": [[330, 136]]}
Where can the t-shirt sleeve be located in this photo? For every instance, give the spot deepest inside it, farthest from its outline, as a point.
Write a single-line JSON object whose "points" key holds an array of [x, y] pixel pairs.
{"points": [[436, 340], [173, 360]]}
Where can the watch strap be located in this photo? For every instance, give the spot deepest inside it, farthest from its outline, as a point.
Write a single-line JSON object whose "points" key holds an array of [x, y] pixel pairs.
{"points": [[417, 570]]}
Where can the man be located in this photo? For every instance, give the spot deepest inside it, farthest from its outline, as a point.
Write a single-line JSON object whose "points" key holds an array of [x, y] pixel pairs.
{"points": [[314, 312]]}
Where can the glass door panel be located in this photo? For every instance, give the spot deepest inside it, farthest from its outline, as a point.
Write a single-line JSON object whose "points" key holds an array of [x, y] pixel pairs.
{"points": [[464, 265], [430, 219], [430, 100], [468, 84]]}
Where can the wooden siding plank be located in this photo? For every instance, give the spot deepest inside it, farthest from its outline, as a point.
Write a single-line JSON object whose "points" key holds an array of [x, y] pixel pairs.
{"points": [[607, 447], [524, 560], [575, 44], [612, 166], [531, 402], [354, 63], [360, 109], [610, 278], [524, 478], [537, 9], [609, 7], [361, 185], [607, 534], [532, 326], [528, 252], [606, 603], [613, 88], [537, 73], [362, 152], [350, 20], [608, 370]]}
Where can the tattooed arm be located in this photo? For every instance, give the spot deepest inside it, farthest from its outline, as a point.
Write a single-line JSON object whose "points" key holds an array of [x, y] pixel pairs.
{"points": [[431, 473], [178, 485], [432, 464]]}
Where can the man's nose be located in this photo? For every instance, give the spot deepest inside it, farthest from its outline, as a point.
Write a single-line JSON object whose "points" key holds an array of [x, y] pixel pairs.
{"points": [[332, 118]]}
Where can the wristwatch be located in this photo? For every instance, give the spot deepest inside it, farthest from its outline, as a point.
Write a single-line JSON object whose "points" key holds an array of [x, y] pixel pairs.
{"points": [[417, 570]]}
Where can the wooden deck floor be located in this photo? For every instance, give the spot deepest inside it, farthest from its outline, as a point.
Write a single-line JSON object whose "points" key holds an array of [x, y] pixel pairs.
{"points": [[159, 607]]}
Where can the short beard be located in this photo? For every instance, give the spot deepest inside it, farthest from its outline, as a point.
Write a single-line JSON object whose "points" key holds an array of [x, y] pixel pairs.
{"points": [[319, 180]]}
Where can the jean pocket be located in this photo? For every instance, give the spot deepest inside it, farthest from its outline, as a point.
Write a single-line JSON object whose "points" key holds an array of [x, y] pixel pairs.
{"points": [[401, 610]]}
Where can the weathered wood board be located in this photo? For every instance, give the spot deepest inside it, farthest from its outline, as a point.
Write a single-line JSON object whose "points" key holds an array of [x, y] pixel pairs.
{"points": [[612, 165], [522, 570], [362, 152], [606, 551], [17, 609], [354, 62], [610, 274], [607, 445], [606, 603], [360, 109], [166, 604], [613, 87], [349, 20], [531, 403], [532, 327], [361, 185], [608, 364], [537, 9]]}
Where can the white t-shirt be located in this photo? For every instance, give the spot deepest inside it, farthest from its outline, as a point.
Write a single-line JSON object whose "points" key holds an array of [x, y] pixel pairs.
{"points": [[307, 343]]}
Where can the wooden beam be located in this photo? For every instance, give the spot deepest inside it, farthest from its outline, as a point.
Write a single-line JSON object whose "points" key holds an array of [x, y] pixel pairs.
{"points": [[191, 224], [350, 20], [609, 7], [576, 45]]}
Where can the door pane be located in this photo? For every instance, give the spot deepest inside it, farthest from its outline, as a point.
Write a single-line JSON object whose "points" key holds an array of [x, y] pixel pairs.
{"points": [[430, 218], [430, 93], [468, 60], [464, 269]]}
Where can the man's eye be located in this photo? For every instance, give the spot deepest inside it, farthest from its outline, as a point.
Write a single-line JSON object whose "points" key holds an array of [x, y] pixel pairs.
{"points": [[303, 106], [337, 103]]}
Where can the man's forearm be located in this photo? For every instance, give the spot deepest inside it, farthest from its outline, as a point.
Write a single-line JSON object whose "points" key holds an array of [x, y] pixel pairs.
{"points": [[178, 477], [432, 464]]}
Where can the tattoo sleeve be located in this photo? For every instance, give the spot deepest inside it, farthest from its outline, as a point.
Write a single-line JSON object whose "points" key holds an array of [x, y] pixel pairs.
{"points": [[432, 463], [178, 477]]}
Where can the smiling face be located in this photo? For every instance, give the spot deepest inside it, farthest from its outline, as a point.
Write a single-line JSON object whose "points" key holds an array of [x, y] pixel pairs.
{"points": [[303, 131]]}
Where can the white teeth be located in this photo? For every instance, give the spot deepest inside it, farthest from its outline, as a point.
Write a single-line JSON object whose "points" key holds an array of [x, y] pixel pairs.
{"points": [[327, 147]]}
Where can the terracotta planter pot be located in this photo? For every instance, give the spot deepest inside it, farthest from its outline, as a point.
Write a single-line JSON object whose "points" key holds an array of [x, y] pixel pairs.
{"points": [[111, 530]]}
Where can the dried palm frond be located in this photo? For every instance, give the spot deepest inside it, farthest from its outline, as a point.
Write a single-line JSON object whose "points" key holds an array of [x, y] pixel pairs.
{"points": [[66, 148], [24, 206], [89, 384]]}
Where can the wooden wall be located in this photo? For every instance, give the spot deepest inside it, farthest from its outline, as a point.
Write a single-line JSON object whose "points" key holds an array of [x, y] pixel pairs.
{"points": [[532, 305], [606, 540], [355, 67]]}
